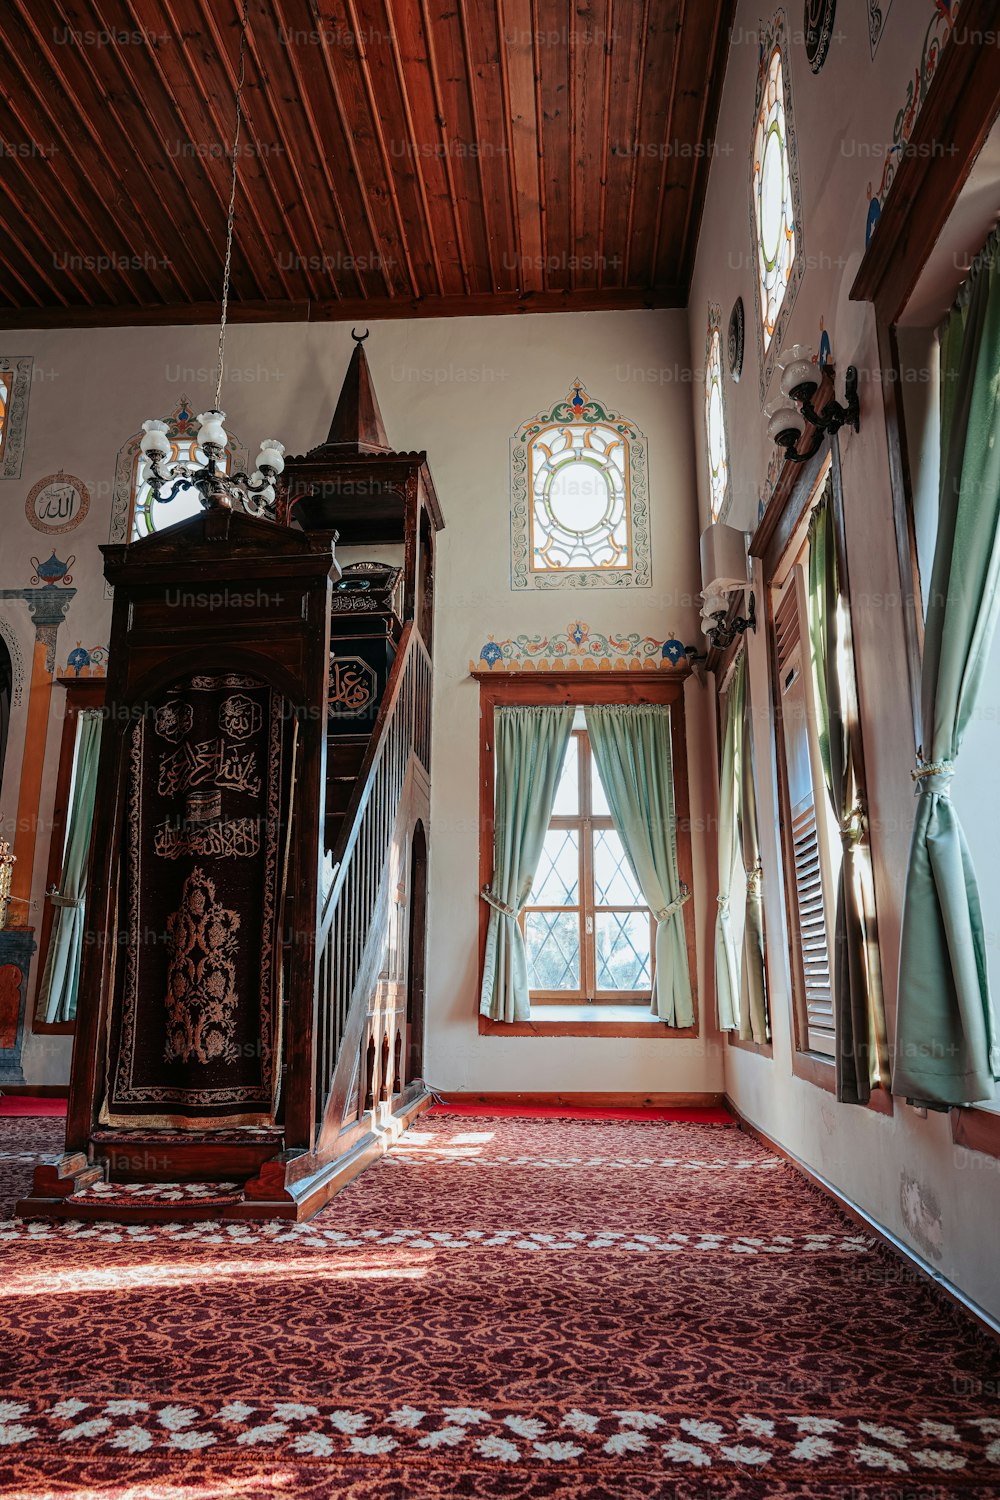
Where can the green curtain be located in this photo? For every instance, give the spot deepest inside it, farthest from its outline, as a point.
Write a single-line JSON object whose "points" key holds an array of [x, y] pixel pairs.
{"points": [[947, 1052], [857, 984], [727, 974], [61, 978], [632, 749], [753, 1019], [530, 751]]}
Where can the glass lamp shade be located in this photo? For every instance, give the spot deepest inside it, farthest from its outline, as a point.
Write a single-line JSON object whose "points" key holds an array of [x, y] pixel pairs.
{"points": [[270, 455], [799, 376], [154, 439], [211, 430], [786, 425]]}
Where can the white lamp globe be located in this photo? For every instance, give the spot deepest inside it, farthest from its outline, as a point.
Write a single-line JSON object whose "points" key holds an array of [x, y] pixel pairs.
{"points": [[154, 439], [270, 457], [211, 430]]}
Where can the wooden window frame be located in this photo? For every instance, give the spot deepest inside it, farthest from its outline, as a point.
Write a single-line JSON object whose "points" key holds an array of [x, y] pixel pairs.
{"points": [[777, 540], [961, 107], [81, 693], [585, 823], [581, 689]]}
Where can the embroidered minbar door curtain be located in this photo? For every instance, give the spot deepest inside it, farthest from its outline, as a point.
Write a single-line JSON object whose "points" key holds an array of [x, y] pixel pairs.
{"points": [[631, 746], [947, 1051], [62, 966], [530, 747], [857, 981], [727, 973]]}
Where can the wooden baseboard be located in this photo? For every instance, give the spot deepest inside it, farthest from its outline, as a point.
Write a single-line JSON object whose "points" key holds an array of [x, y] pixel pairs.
{"points": [[590, 1101], [37, 1090], [921, 1268]]}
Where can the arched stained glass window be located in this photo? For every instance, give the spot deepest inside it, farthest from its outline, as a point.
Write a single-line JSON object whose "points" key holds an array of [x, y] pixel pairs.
{"points": [[135, 513], [716, 434], [774, 192], [6, 390], [579, 502]]}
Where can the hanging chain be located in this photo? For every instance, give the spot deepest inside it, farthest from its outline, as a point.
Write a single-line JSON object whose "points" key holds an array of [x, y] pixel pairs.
{"points": [[230, 217]]}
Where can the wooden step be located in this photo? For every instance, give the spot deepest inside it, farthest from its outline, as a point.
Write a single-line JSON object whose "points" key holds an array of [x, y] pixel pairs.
{"points": [[344, 754], [148, 1156]]}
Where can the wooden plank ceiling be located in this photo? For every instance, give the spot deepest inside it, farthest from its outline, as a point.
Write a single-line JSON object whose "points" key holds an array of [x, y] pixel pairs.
{"points": [[399, 157]]}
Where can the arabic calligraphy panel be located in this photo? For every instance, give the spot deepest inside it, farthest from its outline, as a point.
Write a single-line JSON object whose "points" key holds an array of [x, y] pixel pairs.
{"points": [[57, 503]]}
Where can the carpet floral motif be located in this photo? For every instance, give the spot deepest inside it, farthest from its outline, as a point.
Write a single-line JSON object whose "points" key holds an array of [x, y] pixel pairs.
{"points": [[520, 1309]]}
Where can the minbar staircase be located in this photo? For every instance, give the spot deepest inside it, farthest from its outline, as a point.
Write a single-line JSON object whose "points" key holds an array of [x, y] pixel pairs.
{"points": [[355, 895]]}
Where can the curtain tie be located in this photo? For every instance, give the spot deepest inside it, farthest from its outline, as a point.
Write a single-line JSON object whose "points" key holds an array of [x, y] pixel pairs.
{"points": [[72, 902], [497, 905], [933, 776], [722, 902], [673, 906], [754, 878], [852, 829]]}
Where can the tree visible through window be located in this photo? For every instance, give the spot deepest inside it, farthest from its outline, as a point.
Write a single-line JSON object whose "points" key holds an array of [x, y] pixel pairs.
{"points": [[777, 222], [588, 933], [6, 388], [716, 437]]}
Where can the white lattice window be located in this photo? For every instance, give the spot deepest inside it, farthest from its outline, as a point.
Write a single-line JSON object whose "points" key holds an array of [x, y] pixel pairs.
{"points": [[588, 932]]}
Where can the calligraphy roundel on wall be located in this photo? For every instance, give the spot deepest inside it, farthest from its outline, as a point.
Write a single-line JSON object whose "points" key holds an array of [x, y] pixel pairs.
{"points": [[57, 503], [818, 27]]}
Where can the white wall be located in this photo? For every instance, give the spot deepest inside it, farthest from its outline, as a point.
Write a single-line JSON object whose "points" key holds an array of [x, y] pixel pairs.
{"points": [[904, 1171], [458, 388]]}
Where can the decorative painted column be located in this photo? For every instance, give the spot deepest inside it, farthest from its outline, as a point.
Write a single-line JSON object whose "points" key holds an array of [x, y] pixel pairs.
{"points": [[47, 603]]}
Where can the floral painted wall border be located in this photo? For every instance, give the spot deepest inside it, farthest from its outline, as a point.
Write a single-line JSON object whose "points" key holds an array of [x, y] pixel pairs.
{"points": [[580, 649], [939, 29]]}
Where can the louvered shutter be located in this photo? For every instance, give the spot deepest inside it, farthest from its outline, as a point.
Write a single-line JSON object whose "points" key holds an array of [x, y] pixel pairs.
{"points": [[808, 835]]}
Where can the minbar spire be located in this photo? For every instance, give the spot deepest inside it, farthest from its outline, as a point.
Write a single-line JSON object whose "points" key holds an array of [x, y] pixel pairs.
{"points": [[357, 425]]}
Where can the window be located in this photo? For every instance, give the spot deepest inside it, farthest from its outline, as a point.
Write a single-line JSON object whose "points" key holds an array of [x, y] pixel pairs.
{"points": [[775, 210], [588, 933], [812, 850], [716, 437], [579, 498], [83, 695], [134, 511], [6, 392]]}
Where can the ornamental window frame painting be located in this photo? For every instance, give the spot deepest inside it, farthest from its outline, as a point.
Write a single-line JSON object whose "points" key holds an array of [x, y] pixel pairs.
{"points": [[775, 198], [16, 374], [579, 499], [716, 425]]}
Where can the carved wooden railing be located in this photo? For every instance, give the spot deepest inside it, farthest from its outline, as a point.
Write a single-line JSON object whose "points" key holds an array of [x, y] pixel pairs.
{"points": [[350, 941]]}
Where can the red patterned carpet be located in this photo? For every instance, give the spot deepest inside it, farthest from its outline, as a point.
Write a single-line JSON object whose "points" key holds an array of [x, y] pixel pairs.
{"points": [[503, 1308]]}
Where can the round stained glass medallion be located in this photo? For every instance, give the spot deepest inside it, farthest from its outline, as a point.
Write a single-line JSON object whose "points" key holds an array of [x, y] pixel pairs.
{"points": [[737, 333]]}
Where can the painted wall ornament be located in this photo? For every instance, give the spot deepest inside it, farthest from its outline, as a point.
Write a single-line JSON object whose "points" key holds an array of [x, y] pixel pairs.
{"points": [[878, 12], [580, 649], [818, 26], [579, 499], [57, 503], [52, 573], [15, 387], [86, 661], [936, 37], [736, 339]]}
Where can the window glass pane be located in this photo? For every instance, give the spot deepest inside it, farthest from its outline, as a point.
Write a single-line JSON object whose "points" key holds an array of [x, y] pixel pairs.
{"points": [[557, 881], [598, 801], [567, 803], [614, 883], [552, 939], [623, 958]]}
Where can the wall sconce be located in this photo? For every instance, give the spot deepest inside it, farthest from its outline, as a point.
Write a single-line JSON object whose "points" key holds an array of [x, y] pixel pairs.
{"points": [[787, 418], [724, 572]]}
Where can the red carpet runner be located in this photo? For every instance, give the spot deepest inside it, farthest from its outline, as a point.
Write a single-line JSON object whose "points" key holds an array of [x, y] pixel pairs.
{"points": [[499, 1308]]}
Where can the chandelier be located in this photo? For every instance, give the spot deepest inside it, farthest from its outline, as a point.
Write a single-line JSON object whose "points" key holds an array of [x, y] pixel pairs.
{"points": [[216, 489]]}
